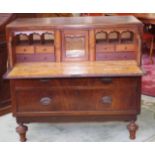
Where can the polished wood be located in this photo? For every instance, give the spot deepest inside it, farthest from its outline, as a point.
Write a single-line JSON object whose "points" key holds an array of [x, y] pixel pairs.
{"points": [[89, 70], [132, 127], [74, 22], [5, 104], [21, 130], [74, 69]]}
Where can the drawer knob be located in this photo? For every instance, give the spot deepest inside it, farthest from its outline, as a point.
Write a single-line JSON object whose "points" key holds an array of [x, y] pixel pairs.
{"points": [[106, 100], [45, 100], [106, 80]]}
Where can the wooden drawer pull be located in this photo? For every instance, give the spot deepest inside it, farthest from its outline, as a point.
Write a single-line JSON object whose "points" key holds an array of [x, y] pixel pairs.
{"points": [[106, 100], [106, 80], [45, 101]]}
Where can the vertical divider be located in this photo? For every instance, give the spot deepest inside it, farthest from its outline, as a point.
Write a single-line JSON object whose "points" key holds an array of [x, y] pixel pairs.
{"points": [[92, 49], [58, 45], [11, 54]]}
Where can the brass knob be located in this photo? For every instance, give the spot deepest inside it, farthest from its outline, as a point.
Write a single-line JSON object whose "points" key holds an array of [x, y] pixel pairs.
{"points": [[45, 101]]}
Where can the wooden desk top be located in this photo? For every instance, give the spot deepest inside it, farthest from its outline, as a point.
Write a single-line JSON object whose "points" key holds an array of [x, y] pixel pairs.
{"points": [[74, 21], [74, 69]]}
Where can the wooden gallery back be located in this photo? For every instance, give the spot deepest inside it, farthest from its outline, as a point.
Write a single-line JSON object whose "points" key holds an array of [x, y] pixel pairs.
{"points": [[75, 69]]}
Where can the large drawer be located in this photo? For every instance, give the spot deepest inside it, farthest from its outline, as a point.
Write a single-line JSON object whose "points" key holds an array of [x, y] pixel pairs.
{"points": [[76, 99]]}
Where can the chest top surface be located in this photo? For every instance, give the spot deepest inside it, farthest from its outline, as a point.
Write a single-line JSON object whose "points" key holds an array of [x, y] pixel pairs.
{"points": [[74, 21]]}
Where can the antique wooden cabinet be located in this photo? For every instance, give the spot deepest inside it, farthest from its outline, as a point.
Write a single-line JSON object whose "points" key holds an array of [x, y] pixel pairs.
{"points": [[75, 69]]}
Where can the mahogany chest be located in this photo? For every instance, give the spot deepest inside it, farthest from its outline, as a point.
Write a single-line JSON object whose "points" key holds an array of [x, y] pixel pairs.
{"points": [[75, 69]]}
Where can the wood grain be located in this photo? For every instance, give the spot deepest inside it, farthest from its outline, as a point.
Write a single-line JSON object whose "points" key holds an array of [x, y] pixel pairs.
{"points": [[74, 22], [69, 69]]}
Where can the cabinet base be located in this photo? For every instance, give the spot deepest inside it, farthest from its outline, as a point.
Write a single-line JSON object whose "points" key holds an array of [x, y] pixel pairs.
{"points": [[22, 129]]}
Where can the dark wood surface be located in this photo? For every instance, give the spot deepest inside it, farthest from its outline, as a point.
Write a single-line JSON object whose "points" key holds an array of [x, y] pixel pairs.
{"points": [[5, 105], [79, 82], [76, 96]]}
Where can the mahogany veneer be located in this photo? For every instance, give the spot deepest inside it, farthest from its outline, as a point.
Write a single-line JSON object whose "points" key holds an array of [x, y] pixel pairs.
{"points": [[75, 69]]}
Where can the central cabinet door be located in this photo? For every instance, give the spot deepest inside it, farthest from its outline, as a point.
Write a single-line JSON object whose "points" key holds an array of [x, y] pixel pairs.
{"points": [[75, 45]]}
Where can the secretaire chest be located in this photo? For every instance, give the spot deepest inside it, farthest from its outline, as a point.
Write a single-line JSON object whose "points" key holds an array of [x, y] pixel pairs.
{"points": [[75, 69]]}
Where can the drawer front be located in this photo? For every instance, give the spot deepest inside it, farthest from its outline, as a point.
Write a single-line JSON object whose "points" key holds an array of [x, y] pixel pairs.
{"points": [[106, 82], [127, 47], [105, 48], [24, 49], [44, 49], [75, 99]]}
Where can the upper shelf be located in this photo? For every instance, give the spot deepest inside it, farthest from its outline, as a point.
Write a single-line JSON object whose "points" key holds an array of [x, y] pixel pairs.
{"points": [[74, 21], [74, 69]]}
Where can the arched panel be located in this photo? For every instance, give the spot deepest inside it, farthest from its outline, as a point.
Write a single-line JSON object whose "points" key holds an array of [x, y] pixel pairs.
{"points": [[22, 39], [101, 37], [48, 38], [113, 36], [35, 38], [127, 36]]}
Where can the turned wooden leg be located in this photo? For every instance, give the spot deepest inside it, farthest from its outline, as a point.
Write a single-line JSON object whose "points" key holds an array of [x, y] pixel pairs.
{"points": [[132, 127], [21, 130]]}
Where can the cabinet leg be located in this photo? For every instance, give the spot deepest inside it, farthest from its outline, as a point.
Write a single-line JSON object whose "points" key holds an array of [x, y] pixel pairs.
{"points": [[132, 127], [21, 130]]}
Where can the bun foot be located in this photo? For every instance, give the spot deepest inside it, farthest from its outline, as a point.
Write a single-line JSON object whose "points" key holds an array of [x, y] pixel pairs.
{"points": [[21, 130], [132, 127]]}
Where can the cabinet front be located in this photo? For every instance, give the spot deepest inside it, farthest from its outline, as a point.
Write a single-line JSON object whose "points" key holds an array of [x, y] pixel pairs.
{"points": [[99, 94]]}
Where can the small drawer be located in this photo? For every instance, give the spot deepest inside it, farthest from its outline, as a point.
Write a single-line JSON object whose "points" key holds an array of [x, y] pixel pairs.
{"points": [[37, 83], [105, 48], [106, 82], [23, 49], [44, 49], [127, 47], [65, 82]]}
